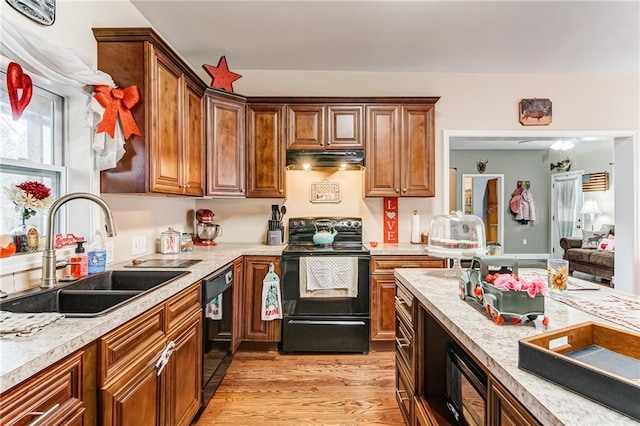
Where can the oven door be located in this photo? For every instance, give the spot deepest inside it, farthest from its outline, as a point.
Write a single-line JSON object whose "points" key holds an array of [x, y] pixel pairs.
{"points": [[294, 305]]}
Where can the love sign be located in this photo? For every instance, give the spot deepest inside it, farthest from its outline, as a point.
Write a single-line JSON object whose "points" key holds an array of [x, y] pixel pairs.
{"points": [[390, 220], [17, 80]]}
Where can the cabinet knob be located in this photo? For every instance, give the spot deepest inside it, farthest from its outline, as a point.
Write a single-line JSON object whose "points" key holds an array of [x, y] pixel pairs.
{"points": [[397, 190], [328, 143], [404, 189], [281, 191], [242, 190]]}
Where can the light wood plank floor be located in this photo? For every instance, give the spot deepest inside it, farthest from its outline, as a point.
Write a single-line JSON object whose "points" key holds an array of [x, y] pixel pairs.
{"points": [[267, 388]]}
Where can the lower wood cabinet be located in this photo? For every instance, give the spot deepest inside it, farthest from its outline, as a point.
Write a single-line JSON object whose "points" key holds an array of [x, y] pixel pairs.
{"points": [[256, 330], [136, 387], [504, 409], [238, 304], [383, 290], [63, 394]]}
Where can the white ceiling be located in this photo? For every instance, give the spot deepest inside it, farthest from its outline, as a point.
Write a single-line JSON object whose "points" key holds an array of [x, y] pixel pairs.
{"points": [[421, 36]]}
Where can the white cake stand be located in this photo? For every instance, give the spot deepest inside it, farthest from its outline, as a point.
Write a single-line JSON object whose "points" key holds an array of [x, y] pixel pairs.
{"points": [[456, 254]]}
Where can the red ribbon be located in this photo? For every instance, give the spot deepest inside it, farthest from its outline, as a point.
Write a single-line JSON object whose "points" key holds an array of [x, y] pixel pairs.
{"points": [[118, 101]]}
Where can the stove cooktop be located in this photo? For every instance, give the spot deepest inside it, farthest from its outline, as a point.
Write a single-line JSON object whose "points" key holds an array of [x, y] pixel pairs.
{"points": [[348, 238], [311, 248]]}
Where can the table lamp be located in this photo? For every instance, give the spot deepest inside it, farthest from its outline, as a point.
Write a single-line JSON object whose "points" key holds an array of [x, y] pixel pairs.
{"points": [[591, 208]]}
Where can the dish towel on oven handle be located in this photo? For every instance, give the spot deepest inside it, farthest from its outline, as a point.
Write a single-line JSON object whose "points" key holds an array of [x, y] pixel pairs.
{"points": [[329, 272], [271, 300], [213, 310]]}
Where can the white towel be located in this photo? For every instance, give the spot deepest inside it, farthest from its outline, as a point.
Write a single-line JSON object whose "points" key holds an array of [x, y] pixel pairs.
{"points": [[22, 325], [271, 299], [328, 276], [213, 310]]}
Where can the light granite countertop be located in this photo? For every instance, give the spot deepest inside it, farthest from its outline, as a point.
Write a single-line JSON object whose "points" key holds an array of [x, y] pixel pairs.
{"points": [[385, 249], [496, 346], [22, 357]]}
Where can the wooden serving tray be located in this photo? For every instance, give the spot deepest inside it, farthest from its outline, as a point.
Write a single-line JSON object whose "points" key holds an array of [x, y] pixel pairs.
{"points": [[599, 362]]}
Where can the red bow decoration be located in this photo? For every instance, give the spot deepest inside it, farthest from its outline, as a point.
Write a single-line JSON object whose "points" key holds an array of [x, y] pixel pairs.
{"points": [[17, 79], [118, 101]]}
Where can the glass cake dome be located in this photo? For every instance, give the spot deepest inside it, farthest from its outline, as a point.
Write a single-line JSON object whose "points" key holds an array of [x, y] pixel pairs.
{"points": [[456, 236]]}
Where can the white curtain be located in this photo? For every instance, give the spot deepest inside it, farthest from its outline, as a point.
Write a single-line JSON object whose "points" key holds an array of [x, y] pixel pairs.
{"points": [[565, 195], [40, 56]]}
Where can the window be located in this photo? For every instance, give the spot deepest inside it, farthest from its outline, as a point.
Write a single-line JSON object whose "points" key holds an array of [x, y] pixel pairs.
{"points": [[31, 149]]}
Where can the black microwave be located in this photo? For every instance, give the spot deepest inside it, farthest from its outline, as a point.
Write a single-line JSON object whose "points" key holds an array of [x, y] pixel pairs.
{"points": [[466, 388]]}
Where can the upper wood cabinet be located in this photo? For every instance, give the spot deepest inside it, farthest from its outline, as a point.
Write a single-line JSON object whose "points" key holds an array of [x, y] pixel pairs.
{"points": [[226, 159], [400, 149], [265, 151], [320, 126], [169, 156]]}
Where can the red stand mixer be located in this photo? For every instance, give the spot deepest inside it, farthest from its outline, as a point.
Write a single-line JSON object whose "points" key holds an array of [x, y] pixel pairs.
{"points": [[206, 230]]}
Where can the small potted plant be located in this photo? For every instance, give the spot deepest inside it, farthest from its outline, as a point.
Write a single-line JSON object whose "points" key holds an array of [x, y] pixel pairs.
{"points": [[29, 198]]}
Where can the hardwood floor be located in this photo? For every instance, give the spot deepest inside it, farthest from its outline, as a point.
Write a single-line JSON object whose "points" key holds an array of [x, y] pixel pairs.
{"points": [[267, 388]]}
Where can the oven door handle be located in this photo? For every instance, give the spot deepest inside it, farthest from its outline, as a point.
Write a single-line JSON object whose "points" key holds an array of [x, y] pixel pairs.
{"points": [[328, 322]]}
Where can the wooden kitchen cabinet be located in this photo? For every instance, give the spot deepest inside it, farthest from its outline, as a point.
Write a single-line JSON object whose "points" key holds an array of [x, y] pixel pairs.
{"points": [[400, 149], [169, 156], [238, 304], [133, 390], [226, 159], [383, 290], [316, 127], [63, 394], [255, 329], [504, 409], [265, 151]]}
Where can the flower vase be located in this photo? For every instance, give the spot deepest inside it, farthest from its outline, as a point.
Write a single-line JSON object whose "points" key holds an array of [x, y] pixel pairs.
{"points": [[25, 237]]}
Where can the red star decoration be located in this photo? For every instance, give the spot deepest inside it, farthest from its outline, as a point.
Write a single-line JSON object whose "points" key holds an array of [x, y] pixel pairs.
{"points": [[221, 76]]}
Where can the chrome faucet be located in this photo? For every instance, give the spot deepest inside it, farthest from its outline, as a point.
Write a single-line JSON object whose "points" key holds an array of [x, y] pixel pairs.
{"points": [[49, 255]]}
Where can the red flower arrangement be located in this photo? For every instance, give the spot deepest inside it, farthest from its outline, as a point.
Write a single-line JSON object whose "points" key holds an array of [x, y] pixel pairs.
{"points": [[31, 197]]}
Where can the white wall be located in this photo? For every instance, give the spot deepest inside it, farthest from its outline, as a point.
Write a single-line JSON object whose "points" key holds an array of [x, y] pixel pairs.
{"points": [[468, 101]]}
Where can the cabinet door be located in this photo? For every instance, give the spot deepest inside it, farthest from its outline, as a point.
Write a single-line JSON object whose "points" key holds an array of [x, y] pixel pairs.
{"points": [[136, 398], [226, 163], [504, 409], [382, 175], [256, 268], [167, 85], [305, 127], [344, 127], [383, 315], [238, 304], [265, 149], [183, 372], [418, 151], [194, 147]]}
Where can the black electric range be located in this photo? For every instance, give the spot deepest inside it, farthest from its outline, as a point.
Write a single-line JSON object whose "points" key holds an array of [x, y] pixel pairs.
{"points": [[336, 323]]}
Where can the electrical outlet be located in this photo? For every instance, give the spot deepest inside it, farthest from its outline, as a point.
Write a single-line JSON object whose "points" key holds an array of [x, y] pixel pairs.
{"points": [[524, 242], [108, 246], [142, 244], [135, 246]]}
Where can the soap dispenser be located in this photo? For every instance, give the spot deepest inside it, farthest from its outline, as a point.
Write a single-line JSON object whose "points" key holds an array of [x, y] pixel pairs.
{"points": [[79, 262]]}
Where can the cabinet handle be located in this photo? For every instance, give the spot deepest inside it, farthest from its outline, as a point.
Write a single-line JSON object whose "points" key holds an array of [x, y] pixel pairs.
{"points": [[401, 344], [328, 143], [399, 392], [281, 191], [42, 415], [164, 357], [397, 190], [401, 301], [404, 189]]}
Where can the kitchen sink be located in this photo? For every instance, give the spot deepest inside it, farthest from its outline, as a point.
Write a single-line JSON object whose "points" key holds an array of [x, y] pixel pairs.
{"points": [[92, 296]]}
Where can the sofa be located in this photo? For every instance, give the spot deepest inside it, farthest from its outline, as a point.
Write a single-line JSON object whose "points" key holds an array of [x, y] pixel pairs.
{"points": [[587, 260]]}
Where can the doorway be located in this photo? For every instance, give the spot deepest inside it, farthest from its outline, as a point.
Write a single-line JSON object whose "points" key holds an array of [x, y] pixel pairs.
{"points": [[483, 196], [566, 203]]}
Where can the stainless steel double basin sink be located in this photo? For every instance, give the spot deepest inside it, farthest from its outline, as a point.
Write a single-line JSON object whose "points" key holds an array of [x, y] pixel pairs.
{"points": [[91, 296]]}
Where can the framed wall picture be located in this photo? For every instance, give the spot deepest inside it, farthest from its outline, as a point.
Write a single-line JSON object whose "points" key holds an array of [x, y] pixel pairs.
{"points": [[535, 112], [41, 11]]}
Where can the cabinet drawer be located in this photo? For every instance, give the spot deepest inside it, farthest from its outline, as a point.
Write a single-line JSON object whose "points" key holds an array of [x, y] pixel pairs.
{"points": [[182, 304], [139, 339], [404, 345], [404, 305], [404, 393], [386, 264], [54, 395]]}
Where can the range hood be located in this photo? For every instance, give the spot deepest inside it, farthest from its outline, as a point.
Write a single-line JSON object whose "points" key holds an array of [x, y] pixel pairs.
{"points": [[325, 160]]}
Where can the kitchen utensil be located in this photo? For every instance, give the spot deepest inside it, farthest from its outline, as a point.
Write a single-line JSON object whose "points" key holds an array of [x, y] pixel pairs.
{"points": [[325, 232], [283, 211], [206, 230]]}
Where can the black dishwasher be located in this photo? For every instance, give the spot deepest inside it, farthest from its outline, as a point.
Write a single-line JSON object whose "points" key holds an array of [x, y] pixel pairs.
{"points": [[217, 303]]}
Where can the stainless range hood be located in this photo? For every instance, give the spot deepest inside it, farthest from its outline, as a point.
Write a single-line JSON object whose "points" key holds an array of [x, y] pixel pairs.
{"points": [[325, 160]]}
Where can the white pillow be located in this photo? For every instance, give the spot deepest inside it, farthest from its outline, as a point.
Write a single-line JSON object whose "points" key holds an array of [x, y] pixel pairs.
{"points": [[607, 244], [591, 239]]}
